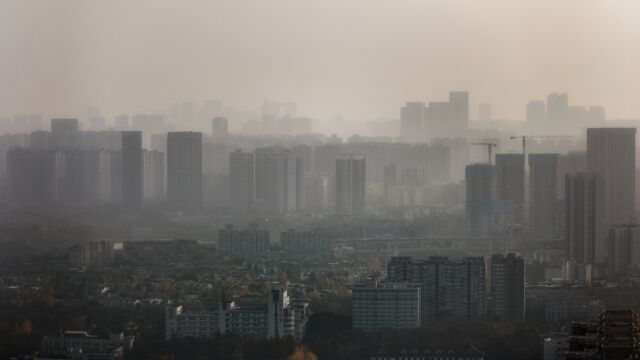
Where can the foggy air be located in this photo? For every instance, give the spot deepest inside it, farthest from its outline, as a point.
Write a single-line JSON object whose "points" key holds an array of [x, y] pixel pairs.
{"points": [[303, 180]]}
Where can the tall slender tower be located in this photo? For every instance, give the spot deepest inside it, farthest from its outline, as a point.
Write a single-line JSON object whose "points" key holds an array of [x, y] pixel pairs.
{"points": [[132, 169], [585, 226], [184, 170], [611, 153], [460, 107], [350, 184], [241, 181], [480, 180], [543, 194], [510, 183]]}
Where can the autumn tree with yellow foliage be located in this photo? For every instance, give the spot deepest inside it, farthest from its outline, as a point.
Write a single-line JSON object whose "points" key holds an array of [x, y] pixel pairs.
{"points": [[302, 353]]}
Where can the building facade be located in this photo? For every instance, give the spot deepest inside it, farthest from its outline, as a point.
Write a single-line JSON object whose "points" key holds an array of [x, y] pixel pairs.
{"points": [[350, 184], [184, 170], [282, 317], [386, 306]]}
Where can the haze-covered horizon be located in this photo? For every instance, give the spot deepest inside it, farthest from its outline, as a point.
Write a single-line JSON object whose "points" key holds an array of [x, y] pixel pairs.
{"points": [[361, 59]]}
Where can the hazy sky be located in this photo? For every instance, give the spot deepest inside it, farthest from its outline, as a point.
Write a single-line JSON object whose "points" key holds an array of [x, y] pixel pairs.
{"points": [[356, 58]]}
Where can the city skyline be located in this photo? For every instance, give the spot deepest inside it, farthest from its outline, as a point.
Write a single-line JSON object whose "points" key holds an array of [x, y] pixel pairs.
{"points": [[99, 56]]}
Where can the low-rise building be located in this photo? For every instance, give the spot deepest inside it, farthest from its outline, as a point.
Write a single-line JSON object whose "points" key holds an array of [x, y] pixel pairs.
{"points": [[281, 318], [80, 345], [305, 242]]}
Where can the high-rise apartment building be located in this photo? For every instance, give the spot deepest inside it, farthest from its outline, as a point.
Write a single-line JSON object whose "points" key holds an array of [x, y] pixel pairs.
{"points": [[460, 109], [448, 288], [64, 126], [64, 133], [536, 113], [611, 153], [585, 226], [219, 128], [184, 170], [507, 288], [412, 120], [557, 111], [480, 182], [510, 183], [154, 175], [623, 248], [132, 171], [241, 181], [279, 181], [543, 194], [386, 306], [350, 184]]}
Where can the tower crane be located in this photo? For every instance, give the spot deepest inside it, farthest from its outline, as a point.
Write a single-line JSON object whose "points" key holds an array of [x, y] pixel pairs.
{"points": [[524, 143], [489, 146]]}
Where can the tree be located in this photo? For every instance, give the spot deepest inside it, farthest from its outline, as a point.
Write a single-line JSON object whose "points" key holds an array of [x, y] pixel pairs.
{"points": [[302, 353]]}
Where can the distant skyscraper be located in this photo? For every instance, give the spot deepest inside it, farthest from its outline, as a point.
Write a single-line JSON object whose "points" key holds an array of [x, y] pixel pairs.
{"points": [[558, 111], [122, 122], [484, 112], [543, 194], [132, 180], [64, 133], [480, 181], [412, 121], [536, 112], [64, 125], [439, 120], [585, 226], [611, 153], [220, 127], [30, 176], [279, 181], [241, 181], [390, 180], [510, 183], [623, 248], [184, 170], [507, 287], [154, 175], [460, 107], [350, 184]]}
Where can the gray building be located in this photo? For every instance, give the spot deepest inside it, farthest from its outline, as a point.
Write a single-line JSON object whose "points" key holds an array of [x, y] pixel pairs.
{"points": [[386, 306], [611, 154], [132, 169], [184, 170], [241, 181], [279, 181], [154, 175], [480, 182], [536, 113], [558, 111], [507, 288], [412, 121], [510, 183], [350, 184], [585, 226], [460, 109], [448, 288], [247, 242], [543, 194]]}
